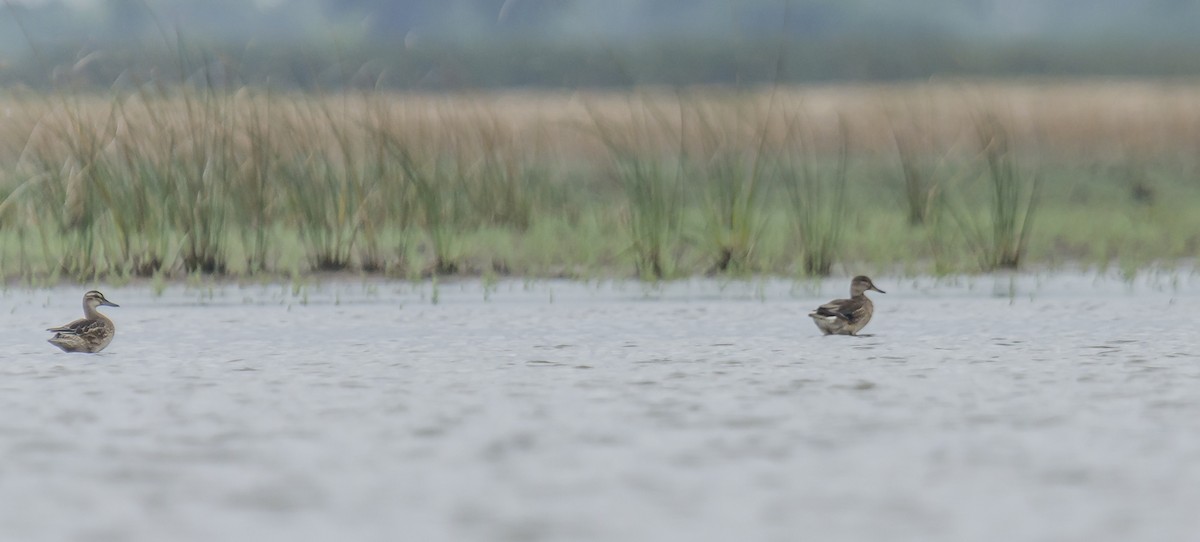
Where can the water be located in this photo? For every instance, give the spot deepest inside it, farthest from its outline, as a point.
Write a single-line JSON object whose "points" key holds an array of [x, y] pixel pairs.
{"points": [[1060, 407]]}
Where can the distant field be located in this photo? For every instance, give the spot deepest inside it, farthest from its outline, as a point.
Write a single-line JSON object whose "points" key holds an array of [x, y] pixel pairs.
{"points": [[940, 177]]}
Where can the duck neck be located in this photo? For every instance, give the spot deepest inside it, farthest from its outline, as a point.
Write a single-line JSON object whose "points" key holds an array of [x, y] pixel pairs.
{"points": [[90, 312]]}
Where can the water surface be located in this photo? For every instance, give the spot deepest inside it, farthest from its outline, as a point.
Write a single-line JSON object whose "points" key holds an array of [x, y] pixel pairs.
{"points": [[1057, 407]]}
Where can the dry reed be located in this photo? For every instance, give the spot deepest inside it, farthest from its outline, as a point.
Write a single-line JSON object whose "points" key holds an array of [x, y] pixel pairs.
{"points": [[164, 181]]}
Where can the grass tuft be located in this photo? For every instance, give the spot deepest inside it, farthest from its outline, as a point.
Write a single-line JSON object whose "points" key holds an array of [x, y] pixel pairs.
{"points": [[816, 189], [1000, 238]]}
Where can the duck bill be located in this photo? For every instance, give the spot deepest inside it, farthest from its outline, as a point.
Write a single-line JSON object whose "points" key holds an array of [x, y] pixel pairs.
{"points": [[108, 303], [877, 289]]}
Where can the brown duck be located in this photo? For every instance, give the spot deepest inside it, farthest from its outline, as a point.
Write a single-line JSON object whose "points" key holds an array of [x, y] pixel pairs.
{"points": [[89, 334], [847, 316]]}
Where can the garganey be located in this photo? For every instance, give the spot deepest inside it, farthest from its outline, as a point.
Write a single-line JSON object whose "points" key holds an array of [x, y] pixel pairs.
{"points": [[89, 334], [847, 316]]}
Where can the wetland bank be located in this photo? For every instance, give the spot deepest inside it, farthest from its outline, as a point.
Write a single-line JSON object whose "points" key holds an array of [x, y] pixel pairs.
{"points": [[916, 179], [355, 310], [582, 316]]}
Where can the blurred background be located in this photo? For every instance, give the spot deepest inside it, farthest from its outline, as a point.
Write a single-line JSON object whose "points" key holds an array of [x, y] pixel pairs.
{"points": [[463, 44], [163, 138]]}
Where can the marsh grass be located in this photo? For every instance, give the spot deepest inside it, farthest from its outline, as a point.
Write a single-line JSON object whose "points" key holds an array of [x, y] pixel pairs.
{"points": [[171, 182], [200, 163], [919, 173], [816, 190], [328, 183], [496, 174], [999, 236], [437, 208], [254, 181], [653, 189], [733, 181], [652, 183]]}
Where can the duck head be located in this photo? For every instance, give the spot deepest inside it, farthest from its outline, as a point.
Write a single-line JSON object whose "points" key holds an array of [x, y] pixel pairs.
{"points": [[861, 284], [94, 299]]}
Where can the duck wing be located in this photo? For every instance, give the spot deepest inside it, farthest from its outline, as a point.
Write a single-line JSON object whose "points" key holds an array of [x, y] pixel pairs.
{"points": [[78, 327], [846, 309]]}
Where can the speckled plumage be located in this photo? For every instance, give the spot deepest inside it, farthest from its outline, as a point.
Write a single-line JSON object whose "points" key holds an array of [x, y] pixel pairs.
{"points": [[847, 316], [89, 334]]}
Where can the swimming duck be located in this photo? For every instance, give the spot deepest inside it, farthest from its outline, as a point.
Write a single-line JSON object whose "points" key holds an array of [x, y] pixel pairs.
{"points": [[847, 316], [89, 334]]}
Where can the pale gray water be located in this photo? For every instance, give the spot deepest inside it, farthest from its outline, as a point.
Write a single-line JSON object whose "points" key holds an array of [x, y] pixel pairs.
{"points": [[1069, 410]]}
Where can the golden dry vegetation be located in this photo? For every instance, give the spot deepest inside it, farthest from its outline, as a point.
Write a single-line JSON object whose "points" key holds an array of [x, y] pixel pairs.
{"points": [[934, 177]]}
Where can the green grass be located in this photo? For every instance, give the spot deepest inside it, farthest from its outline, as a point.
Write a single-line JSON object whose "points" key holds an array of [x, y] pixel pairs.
{"points": [[177, 183], [734, 182], [816, 189], [651, 178], [999, 235]]}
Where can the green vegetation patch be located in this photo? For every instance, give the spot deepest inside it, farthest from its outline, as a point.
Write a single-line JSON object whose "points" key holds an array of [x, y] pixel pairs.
{"points": [[173, 183]]}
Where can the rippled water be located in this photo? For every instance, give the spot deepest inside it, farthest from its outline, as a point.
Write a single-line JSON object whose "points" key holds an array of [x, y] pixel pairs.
{"points": [[1057, 407]]}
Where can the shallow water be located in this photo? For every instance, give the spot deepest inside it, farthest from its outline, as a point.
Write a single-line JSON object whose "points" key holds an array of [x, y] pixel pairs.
{"points": [[1059, 407]]}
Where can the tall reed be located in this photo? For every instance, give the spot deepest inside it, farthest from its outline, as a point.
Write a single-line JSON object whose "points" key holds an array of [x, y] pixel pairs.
{"points": [[328, 182], [816, 188], [733, 181], [495, 173], [918, 172], [159, 180], [255, 180], [200, 161], [433, 202], [999, 235], [651, 180]]}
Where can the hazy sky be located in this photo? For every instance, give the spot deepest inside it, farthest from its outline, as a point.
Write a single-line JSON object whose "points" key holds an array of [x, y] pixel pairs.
{"points": [[714, 38], [968, 20], [92, 3]]}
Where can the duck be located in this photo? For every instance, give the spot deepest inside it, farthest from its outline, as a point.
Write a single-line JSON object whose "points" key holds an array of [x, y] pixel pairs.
{"points": [[89, 334], [847, 316]]}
